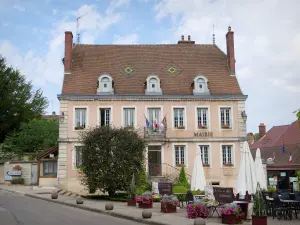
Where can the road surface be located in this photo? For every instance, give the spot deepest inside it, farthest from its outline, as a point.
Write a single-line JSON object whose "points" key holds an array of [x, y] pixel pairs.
{"points": [[16, 209]]}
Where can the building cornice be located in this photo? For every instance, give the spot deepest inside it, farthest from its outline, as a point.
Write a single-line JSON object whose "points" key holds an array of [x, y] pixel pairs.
{"points": [[152, 97]]}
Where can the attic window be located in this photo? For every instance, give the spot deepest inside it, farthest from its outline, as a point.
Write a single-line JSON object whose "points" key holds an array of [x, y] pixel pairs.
{"points": [[200, 85], [153, 86], [105, 85]]}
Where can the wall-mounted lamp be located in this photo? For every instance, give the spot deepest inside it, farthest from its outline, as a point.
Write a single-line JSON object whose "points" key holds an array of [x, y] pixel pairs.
{"points": [[62, 117], [244, 116]]}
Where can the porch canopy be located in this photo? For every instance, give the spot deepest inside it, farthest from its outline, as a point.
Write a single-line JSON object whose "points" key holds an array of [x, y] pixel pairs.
{"points": [[246, 180]]}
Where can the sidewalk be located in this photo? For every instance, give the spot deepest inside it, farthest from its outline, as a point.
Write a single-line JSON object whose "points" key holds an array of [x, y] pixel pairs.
{"points": [[121, 210]]}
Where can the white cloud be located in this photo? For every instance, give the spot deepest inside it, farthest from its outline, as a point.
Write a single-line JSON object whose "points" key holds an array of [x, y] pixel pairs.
{"points": [[267, 47], [54, 11], [19, 7], [130, 39]]}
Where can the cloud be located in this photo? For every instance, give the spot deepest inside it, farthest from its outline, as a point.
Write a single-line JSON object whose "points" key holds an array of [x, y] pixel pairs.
{"points": [[130, 39], [267, 47], [54, 11], [19, 7]]}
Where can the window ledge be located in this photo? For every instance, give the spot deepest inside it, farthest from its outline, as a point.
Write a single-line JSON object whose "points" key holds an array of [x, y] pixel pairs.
{"points": [[201, 93], [153, 92], [105, 93]]}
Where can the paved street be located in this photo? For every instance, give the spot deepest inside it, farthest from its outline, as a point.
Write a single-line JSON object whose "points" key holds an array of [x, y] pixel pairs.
{"points": [[16, 209]]}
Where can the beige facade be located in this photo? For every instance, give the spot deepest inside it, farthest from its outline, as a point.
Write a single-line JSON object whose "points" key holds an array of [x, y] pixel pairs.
{"points": [[189, 139]]}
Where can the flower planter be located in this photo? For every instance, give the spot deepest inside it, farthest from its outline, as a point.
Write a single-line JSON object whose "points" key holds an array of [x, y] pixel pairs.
{"points": [[168, 208], [131, 202], [230, 219], [145, 205], [259, 220]]}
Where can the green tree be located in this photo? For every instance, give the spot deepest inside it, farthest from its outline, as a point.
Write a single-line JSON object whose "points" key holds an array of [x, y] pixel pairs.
{"points": [[256, 137], [32, 137], [182, 180], [109, 158], [18, 102]]}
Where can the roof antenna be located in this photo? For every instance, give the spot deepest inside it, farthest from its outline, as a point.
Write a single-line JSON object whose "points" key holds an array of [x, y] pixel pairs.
{"points": [[214, 39], [77, 27]]}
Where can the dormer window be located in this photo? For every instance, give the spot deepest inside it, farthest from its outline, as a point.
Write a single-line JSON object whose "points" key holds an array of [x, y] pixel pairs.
{"points": [[153, 86], [105, 85], [200, 85]]}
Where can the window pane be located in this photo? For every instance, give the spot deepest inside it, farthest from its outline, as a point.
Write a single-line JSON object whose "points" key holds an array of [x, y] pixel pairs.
{"points": [[202, 117], [182, 156], [80, 117], [178, 117], [176, 155], [224, 154], [129, 114]]}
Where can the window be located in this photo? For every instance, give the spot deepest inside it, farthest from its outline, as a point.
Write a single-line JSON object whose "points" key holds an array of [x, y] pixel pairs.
{"points": [[80, 118], [154, 116], [204, 150], [179, 155], [105, 85], [153, 85], [50, 168], [129, 117], [179, 118], [227, 155], [200, 85], [77, 156], [202, 119], [225, 118], [104, 117]]}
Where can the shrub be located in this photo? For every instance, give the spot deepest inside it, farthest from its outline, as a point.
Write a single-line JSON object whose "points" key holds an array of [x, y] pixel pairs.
{"points": [[18, 180], [179, 189], [182, 180], [231, 209], [156, 197], [169, 200], [132, 189], [259, 204], [197, 210]]}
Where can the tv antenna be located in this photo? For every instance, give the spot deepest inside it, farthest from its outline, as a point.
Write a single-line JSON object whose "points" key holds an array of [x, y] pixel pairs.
{"points": [[214, 36], [77, 27]]}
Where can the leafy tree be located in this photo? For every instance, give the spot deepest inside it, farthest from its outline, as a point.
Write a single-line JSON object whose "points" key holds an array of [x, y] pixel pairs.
{"points": [[142, 184], [256, 137], [109, 158], [32, 137], [182, 180], [18, 102]]}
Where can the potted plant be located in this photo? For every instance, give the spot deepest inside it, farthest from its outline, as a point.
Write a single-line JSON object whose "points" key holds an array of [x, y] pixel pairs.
{"points": [[225, 126], [259, 216], [197, 210], [181, 127], [131, 193], [231, 214], [228, 164], [169, 204], [78, 127], [271, 190], [205, 164], [178, 165], [145, 200], [200, 126]]}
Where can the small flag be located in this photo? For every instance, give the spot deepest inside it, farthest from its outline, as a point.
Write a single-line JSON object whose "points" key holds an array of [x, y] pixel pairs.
{"points": [[164, 122], [283, 149], [147, 122], [291, 158], [155, 123]]}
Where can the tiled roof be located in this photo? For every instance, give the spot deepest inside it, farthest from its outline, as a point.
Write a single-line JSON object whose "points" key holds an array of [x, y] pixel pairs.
{"points": [[290, 136], [89, 61]]}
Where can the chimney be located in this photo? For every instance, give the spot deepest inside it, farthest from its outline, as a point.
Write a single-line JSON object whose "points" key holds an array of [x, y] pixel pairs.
{"points": [[182, 41], [230, 50], [262, 130], [68, 52]]}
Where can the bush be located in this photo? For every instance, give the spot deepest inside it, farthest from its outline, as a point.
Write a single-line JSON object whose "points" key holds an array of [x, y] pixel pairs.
{"points": [[109, 158], [179, 189], [198, 192], [18, 180], [182, 180], [132, 189], [197, 210], [142, 184]]}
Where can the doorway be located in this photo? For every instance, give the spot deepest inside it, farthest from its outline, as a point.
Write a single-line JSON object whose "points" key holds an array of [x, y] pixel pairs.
{"points": [[154, 160], [34, 174]]}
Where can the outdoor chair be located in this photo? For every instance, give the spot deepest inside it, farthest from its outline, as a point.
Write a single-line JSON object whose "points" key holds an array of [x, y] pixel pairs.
{"points": [[189, 198], [285, 197], [279, 209]]}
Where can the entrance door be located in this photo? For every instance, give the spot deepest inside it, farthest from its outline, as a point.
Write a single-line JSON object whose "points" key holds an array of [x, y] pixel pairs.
{"points": [[33, 174], [154, 160]]}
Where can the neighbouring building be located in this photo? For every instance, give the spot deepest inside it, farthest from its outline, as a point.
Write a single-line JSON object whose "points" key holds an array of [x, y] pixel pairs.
{"points": [[280, 150], [188, 92]]}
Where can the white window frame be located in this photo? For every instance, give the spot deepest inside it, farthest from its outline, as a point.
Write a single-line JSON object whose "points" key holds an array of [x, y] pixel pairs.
{"points": [[184, 117], [98, 114], [208, 116], [185, 153], [210, 161], [147, 114], [149, 89], [87, 116], [107, 90], [233, 154], [231, 117], [196, 90], [135, 115], [74, 155]]}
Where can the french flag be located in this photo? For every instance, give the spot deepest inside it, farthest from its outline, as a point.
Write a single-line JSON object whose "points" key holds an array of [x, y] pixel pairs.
{"points": [[291, 158]]}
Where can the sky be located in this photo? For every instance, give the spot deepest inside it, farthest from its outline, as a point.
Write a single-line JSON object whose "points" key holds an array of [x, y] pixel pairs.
{"points": [[267, 41]]}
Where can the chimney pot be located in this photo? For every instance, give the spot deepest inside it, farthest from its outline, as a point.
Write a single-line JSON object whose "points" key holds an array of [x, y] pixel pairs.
{"points": [[189, 37], [230, 50], [182, 37], [262, 130]]}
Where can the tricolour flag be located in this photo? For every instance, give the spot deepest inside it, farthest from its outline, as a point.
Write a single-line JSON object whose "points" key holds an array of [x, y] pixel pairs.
{"points": [[283, 149], [147, 122], [155, 123], [164, 122], [291, 158]]}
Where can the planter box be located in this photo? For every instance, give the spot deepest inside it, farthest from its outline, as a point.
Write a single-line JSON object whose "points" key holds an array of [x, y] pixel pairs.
{"points": [[168, 209], [230, 219], [145, 206], [259, 220], [131, 202]]}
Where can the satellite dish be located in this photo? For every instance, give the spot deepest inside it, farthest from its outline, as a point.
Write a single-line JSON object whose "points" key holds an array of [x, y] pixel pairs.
{"points": [[270, 161]]}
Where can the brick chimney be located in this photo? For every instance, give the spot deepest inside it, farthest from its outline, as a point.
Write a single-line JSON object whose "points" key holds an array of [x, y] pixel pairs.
{"points": [[68, 52], [262, 130], [230, 50], [182, 41]]}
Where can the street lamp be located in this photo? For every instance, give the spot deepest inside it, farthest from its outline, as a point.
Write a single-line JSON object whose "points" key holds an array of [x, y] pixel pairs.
{"points": [[244, 116], [61, 117]]}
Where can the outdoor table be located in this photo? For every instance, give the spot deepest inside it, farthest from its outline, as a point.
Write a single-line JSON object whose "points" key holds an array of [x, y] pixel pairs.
{"points": [[244, 207], [291, 206]]}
